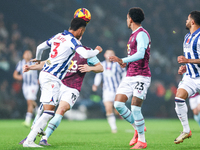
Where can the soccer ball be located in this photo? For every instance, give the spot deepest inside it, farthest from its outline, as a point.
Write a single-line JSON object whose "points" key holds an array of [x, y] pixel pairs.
{"points": [[83, 13]]}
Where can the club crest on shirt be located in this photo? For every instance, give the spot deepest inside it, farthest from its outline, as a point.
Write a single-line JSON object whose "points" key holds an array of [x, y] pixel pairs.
{"points": [[48, 62], [128, 48]]}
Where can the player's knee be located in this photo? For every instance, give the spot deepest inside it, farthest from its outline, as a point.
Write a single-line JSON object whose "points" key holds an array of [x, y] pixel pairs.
{"points": [[62, 110], [118, 105]]}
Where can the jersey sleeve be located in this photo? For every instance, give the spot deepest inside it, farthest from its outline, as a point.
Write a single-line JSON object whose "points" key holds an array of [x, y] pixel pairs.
{"points": [[142, 40], [142, 43], [92, 61]]}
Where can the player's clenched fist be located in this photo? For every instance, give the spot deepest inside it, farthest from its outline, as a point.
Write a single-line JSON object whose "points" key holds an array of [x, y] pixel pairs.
{"points": [[182, 69], [99, 49], [26, 68]]}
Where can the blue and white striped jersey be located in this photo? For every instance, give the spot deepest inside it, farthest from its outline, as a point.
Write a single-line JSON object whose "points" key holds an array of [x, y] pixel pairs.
{"points": [[191, 50], [30, 77], [62, 51], [111, 75]]}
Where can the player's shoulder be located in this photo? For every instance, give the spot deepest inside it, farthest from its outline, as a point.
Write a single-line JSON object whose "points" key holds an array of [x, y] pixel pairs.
{"points": [[87, 48]]}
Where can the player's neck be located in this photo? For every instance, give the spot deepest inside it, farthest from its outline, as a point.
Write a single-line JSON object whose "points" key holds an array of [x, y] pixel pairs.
{"points": [[135, 26], [194, 28]]}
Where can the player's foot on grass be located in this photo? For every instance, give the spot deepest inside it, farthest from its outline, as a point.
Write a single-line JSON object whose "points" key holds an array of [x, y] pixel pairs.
{"points": [[182, 137], [139, 145], [114, 131], [44, 142], [30, 144], [22, 141], [135, 137], [26, 124]]}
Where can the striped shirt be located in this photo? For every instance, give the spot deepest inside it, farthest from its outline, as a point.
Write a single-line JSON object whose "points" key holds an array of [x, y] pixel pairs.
{"points": [[30, 77], [191, 48], [62, 51], [111, 75]]}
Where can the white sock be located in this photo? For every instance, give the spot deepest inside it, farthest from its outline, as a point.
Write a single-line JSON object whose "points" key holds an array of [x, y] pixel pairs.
{"points": [[28, 117], [112, 121], [141, 137], [38, 114], [40, 124], [133, 125], [181, 110]]}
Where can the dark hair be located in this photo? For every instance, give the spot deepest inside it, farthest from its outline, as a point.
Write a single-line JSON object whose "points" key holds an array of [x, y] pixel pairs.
{"points": [[136, 14], [77, 23], [196, 16]]}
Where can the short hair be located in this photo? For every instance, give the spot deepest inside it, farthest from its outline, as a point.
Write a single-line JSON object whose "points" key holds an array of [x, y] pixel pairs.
{"points": [[136, 14], [77, 23], [196, 16]]}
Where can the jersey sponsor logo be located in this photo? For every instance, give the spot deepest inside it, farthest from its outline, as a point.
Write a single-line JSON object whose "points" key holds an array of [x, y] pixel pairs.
{"points": [[73, 66]]}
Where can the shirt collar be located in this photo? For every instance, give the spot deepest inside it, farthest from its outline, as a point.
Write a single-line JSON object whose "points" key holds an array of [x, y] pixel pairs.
{"points": [[67, 32], [137, 29], [195, 32]]}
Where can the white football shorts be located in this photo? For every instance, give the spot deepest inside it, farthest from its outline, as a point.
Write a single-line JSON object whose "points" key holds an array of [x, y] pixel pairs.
{"points": [[191, 85], [50, 88], [30, 91], [194, 101], [69, 95], [108, 96], [134, 86]]}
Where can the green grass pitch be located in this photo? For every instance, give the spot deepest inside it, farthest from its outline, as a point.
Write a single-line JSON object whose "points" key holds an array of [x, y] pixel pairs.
{"points": [[96, 135]]}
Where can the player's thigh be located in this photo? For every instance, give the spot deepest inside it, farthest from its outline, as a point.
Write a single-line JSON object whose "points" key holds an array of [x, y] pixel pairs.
{"points": [[189, 85], [69, 95], [140, 85], [32, 92], [50, 88], [124, 91]]}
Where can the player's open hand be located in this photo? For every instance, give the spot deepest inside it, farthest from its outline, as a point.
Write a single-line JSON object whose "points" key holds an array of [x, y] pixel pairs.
{"points": [[35, 60], [26, 68], [116, 59], [84, 68], [99, 49], [182, 59], [182, 70]]}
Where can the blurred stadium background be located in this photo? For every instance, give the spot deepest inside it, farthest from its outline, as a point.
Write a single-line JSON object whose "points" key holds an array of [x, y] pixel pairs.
{"points": [[26, 23]]}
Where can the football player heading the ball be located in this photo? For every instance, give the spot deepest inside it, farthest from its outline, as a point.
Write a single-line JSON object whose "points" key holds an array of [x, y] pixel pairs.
{"points": [[63, 48]]}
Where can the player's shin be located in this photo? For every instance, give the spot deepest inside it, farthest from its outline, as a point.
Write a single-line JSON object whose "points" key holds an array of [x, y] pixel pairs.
{"points": [[40, 124], [124, 111], [139, 122], [181, 110], [39, 112], [53, 124]]}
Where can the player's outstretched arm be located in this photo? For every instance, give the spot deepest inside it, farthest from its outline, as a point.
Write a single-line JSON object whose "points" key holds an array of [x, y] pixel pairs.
{"points": [[119, 60], [26, 68], [40, 48], [86, 68], [88, 53], [182, 59]]}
